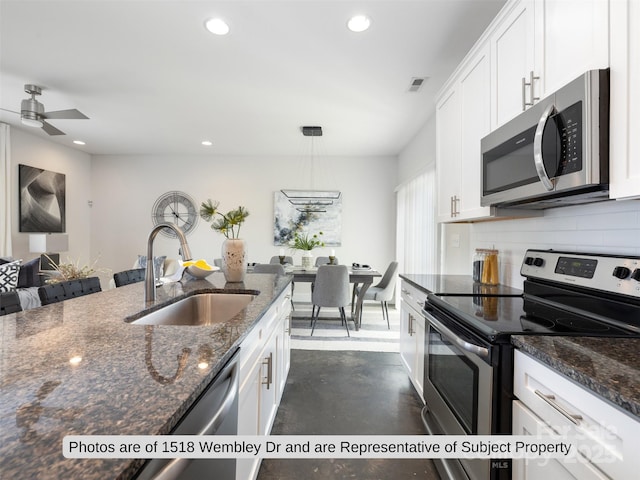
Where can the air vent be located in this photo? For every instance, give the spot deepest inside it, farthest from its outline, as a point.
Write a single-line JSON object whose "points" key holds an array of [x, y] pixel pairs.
{"points": [[416, 83], [311, 131]]}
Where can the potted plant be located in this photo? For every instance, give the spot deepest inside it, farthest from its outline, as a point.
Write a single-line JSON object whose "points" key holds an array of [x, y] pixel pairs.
{"points": [[306, 243], [234, 250]]}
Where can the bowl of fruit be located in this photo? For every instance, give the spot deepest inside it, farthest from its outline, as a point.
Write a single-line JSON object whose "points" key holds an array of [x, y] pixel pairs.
{"points": [[199, 268]]}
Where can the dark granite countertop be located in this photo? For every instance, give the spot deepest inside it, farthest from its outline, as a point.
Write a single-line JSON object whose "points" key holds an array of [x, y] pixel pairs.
{"points": [[609, 367], [131, 380]]}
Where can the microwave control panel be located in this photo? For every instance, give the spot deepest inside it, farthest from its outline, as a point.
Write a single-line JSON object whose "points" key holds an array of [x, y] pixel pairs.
{"points": [[569, 126]]}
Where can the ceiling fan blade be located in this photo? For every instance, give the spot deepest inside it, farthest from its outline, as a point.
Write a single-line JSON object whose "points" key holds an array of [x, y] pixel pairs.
{"points": [[66, 114], [7, 110], [51, 130]]}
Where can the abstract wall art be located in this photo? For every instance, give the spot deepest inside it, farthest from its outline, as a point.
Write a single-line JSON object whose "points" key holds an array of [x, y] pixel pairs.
{"points": [[307, 211], [42, 200]]}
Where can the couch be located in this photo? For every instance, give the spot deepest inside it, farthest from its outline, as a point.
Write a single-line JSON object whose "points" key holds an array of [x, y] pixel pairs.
{"points": [[29, 280]]}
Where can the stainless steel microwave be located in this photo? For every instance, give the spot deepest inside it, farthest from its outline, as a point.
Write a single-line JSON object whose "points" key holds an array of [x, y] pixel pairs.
{"points": [[555, 153]]}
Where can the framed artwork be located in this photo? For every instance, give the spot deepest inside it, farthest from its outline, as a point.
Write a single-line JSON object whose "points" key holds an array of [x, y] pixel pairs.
{"points": [[42, 200], [307, 211]]}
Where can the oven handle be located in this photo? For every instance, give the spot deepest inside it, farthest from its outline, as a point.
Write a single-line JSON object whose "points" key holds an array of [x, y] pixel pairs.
{"points": [[453, 338], [537, 147]]}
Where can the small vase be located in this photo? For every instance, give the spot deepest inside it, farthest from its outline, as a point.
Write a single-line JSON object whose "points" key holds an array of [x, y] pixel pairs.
{"points": [[307, 260], [234, 265]]}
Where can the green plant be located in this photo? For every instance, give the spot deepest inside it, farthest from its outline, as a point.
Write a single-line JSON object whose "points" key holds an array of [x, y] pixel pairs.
{"points": [[306, 242], [228, 223]]}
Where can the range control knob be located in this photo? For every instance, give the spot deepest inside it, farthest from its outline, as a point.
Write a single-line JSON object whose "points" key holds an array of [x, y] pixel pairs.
{"points": [[528, 260], [538, 262], [636, 274], [621, 272]]}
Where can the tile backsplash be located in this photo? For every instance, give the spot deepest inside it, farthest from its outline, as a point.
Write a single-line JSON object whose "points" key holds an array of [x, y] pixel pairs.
{"points": [[611, 227]]}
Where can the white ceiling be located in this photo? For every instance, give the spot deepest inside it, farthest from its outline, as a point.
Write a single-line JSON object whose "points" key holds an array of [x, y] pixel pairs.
{"points": [[154, 81]]}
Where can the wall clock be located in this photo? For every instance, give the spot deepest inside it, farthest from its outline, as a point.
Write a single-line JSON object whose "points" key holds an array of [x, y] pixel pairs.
{"points": [[177, 208]]}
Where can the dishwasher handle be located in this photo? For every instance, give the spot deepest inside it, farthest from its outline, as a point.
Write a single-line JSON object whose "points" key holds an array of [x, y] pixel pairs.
{"points": [[173, 469]]}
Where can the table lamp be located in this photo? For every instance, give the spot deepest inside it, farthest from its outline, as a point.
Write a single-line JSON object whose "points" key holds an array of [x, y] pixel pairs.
{"points": [[48, 245]]}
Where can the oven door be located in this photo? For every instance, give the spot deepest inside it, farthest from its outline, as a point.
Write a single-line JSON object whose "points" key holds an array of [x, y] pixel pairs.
{"points": [[459, 381]]}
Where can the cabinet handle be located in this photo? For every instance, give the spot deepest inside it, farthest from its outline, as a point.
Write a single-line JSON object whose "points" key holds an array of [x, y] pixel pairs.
{"points": [[454, 206], [410, 329], [532, 77], [268, 361], [529, 84], [551, 400]]}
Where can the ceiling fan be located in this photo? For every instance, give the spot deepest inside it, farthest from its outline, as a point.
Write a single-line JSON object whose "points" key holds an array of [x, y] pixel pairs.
{"points": [[32, 112]]}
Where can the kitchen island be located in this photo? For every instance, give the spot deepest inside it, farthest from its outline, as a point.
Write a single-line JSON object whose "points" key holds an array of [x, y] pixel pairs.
{"points": [[609, 367], [78, 368]]}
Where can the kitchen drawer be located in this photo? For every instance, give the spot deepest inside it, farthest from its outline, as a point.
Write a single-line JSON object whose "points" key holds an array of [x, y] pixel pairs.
{"points": [[606, 435], [525, 422], [413, 296]]}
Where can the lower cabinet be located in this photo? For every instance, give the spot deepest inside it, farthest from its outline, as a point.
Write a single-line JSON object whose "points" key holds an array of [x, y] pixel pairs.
{"points": [[264, 366], [412, 331], [549, 403]]}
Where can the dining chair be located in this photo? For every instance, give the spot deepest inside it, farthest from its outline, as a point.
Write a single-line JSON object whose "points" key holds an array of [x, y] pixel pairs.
{"points": [[331, 290], [127, 277], [9, 302], [275, 268], [325, 261], [287, 259], [382, 291], [57, 292]]}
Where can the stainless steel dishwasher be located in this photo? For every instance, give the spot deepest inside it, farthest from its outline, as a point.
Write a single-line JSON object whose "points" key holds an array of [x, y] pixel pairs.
{"points": [[214, 413]]}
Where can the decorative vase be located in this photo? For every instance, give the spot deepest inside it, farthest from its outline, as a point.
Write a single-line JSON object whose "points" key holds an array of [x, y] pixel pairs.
{"points": [[307, 260], [234, 265]]}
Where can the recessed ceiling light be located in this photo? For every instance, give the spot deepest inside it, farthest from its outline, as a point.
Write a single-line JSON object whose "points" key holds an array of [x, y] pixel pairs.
{"points": [[359, 23], [207, 143], [79, 142], [217, 26]]}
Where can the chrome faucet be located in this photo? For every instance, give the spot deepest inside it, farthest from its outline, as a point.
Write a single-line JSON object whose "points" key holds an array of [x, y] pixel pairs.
{"points": [[150, 276]]}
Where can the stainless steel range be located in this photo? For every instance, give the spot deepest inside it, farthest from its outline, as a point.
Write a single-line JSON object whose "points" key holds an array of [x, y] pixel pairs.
{"points": [[468, 379]]}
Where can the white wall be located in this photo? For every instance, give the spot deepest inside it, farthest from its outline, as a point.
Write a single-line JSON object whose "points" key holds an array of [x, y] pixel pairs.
{"points": [[418, 153], [124, 189], [35, 151]]}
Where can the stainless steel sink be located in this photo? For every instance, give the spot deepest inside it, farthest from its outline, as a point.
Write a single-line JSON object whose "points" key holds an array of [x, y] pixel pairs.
{"points": [[197, 310]]}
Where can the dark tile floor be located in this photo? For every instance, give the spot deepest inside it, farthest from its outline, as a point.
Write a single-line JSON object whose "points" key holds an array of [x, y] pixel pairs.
{"points": [[347, 393]]}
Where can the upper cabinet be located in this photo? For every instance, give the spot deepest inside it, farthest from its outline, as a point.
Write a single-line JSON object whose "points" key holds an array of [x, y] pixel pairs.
{"points": [[539, 46], [462, 119], [624, 162], [574, 39], [514, 85]]}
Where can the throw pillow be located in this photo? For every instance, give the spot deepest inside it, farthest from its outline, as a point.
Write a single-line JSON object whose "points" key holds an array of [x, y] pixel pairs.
{"points": [[158, 264], [9, 276], [30, 274]]}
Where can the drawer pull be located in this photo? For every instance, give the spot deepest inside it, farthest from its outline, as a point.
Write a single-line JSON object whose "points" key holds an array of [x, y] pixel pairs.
{"points": [[268, 362], [551, 400]]}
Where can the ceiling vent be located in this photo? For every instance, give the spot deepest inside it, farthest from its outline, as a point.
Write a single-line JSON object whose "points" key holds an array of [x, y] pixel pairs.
{"points": [[311, 131], [416, 83]]}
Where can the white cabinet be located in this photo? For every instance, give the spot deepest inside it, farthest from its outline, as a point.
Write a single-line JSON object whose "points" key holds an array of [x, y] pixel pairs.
{"points": [[448, 154], [574, 38], [412, 331], [624, 168], [513, 51], [550, 403], [264, 366], [538, 46], [462, 119]]}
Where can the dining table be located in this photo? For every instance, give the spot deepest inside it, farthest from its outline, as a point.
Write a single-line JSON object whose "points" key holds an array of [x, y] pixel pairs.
{"points": [[358, 276]]}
